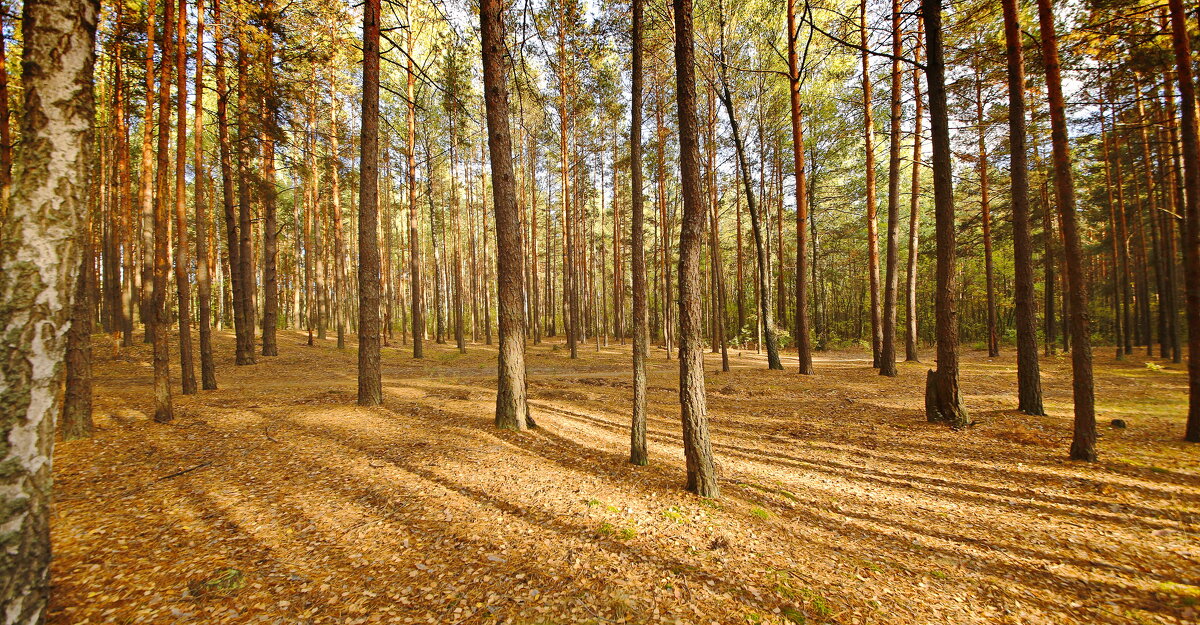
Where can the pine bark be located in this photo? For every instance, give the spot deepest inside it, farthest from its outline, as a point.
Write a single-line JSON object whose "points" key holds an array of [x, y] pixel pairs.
{"points": [[872, 211], [208, 375], [1029, 381], [370, 384], [417, 300], [162, 263], [701, 470], [512, 407], [887, 350], [943, 401], [1191, 218], [187, 368], [637, 450], [1083, 444], [911, 351], [803, 341]]}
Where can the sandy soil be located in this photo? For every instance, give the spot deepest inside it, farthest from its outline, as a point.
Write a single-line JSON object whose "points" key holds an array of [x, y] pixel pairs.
{"points": [[276, 500]]}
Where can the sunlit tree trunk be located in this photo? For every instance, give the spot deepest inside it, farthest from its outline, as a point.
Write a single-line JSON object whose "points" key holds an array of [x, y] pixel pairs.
{"points": [[993, 336], [637, 453], [187, 370], [162, 262], [887, 350], [872, 216], [245, 250], [146, 184], [1083, 445], [40, 241], [943, 401], [370, 386], [208, 375], [914, 213], [512, 407], [803, 342], [701, 470]]}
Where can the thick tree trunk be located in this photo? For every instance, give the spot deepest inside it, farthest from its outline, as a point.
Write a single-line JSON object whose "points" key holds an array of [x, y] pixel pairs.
{"points": [[512, 407], [943, 401], [803, 341], [40, 241], [414, 247], [1029, 381], [1083, 445], [1191, 220], [701, 470], [370, 384]]}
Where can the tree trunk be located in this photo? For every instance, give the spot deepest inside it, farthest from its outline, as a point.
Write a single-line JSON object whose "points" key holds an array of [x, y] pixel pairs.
{"points": [[766, 318], [414, 248], [993, 336], [512, 407], [232, 240], [887, 351], [370, 384], [1083, 445], [39, 261], [1191, 220], [187, 369], [162, 263], [637, 451], [872, 215], [270, 229], [1029, 381], [146, 185], [914, 214], [208, 375], [803, 342], [245, 252], [77, 396], [943, 402], [701, 470]]}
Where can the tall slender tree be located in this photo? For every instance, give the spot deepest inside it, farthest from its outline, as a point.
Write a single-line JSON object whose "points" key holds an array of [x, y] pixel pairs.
{"points": [[1083, 444], [208, 375], [1029, 380], [803, 341], [637, 451], [370, 384]]}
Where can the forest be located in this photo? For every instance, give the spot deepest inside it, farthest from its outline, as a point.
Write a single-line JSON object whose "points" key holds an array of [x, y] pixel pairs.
{"points": [[599, 311]]}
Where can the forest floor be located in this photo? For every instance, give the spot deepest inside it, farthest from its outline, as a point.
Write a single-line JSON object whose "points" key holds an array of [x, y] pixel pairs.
{"points": [[277, 500]]}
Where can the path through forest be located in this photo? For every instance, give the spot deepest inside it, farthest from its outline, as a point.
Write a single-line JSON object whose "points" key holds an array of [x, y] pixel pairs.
{"points": [[277, 500]]}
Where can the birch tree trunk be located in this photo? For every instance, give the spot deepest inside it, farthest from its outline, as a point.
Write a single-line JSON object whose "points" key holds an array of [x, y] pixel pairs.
{"points": [[39, 260]]}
